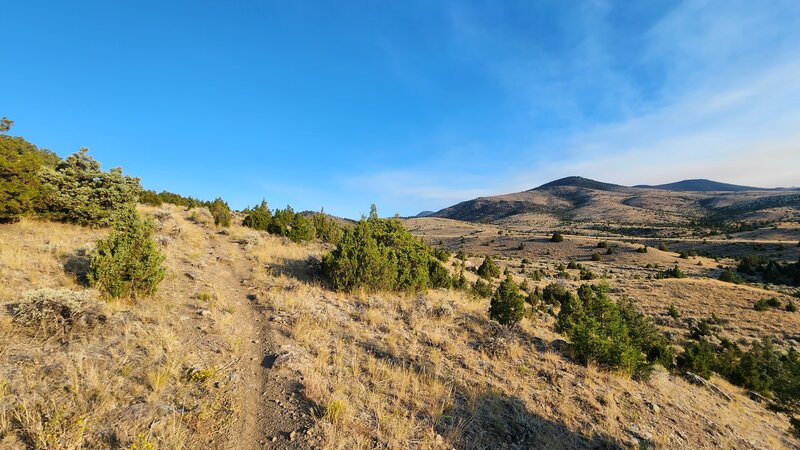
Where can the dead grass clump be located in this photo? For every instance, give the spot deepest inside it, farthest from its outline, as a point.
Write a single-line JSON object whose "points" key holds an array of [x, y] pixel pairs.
{"points": [[201, 216], [59, 311]]}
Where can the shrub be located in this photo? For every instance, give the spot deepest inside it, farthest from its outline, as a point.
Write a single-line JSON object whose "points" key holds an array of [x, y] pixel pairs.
{"points": [[127, 262], [259, 217], [675, 272], [20, 185], [77, 191], [221, 213], [461, 255], [555, 294], [488, 269], [573, 265], [201, 216], [381, 255], [610, 251], [642, 249], [286, 222], [481, 289], [673, 312], [587, 274], [525, 286], [773, 302], [598, 331], [697, 357], [535, 297], [59, 310], [602, 244], [440, 254], [790, 306], [728, 276], [596, 257], [327, 230], [507, 305], [663, 247], [557, 237], [460, 282]]}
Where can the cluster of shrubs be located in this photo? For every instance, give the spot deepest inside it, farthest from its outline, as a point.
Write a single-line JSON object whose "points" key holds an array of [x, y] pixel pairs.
{"points": [[614, 335], [770, 271], [674, 272], [295, 226], [728, 276], [772, 302], [763, 368], [152, 198], [72, 190], [381, 255], [128, 262]]}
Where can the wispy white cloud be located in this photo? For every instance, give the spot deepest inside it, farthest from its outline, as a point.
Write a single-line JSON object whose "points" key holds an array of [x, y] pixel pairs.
{"points": [[727, 107]]}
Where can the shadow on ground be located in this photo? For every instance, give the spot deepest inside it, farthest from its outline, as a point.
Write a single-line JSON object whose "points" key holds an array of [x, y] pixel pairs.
{"points": [[77, 265], [497, 421]]}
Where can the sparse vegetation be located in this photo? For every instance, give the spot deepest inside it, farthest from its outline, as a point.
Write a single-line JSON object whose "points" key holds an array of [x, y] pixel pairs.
{"points": [[675, 272], [556, 237], [728, 276]]}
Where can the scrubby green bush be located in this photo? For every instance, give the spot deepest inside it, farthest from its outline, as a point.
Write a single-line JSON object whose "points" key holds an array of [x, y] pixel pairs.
{"points": [[596, 257], [221, 212], [663, 247], [128, 262], [790, 306], [20, 184], [535, 297], [675, 272], [555, 294], [326, 228], [587, 274], [697, 357], [673, 312], [507, 305], [286, 222], [381, 255], [481, 289], [76, 190], [642, 249], [461, 255], [557, 237], [602, 244], [572, 264], [259, 217], [460, 282], [488, 269], [728, 276], [600, 333]]}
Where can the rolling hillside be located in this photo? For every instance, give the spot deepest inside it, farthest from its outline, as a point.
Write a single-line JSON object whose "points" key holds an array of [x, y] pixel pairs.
{"points": [[584, 200]]}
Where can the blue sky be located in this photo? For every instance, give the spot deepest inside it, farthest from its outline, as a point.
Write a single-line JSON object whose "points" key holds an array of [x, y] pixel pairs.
{"points": [[411, 105]]}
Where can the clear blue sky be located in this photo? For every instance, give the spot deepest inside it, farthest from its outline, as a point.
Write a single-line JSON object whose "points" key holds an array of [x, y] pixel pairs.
{"points": [[412, 105]]}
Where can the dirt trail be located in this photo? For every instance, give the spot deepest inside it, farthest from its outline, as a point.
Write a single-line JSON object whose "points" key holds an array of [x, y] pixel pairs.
{"points": [[268, 410]]}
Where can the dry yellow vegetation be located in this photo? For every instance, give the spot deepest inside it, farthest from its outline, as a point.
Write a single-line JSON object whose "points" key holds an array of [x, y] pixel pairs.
{"points": [[243, 346]]}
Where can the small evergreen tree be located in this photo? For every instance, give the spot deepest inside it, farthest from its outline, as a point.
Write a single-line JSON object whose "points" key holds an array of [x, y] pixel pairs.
{"points": [[481, 289], [221, 212], [259, 217], [507, 305], [76, 190], [488, 269], [128, 262], [557, 237]]}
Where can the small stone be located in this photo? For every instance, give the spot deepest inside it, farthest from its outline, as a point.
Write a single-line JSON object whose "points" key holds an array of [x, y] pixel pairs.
{"points": [[292, 435], [274, 438]]}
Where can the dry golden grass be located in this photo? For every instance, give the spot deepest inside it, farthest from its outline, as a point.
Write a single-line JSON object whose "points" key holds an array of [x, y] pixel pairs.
{"points": [[123, 382], [430, 371]]}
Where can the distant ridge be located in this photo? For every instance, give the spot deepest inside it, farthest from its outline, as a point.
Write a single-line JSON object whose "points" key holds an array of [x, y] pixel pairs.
{"points": [[425, 214], [702, 185], [582, 182]]}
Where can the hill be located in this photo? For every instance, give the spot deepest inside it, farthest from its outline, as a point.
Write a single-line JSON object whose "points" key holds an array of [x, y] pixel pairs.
{"points": [[703, 185], [582, 200]]}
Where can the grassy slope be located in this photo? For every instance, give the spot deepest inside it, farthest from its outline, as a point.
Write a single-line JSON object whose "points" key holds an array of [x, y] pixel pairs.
{"points": [[395, 371]]}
